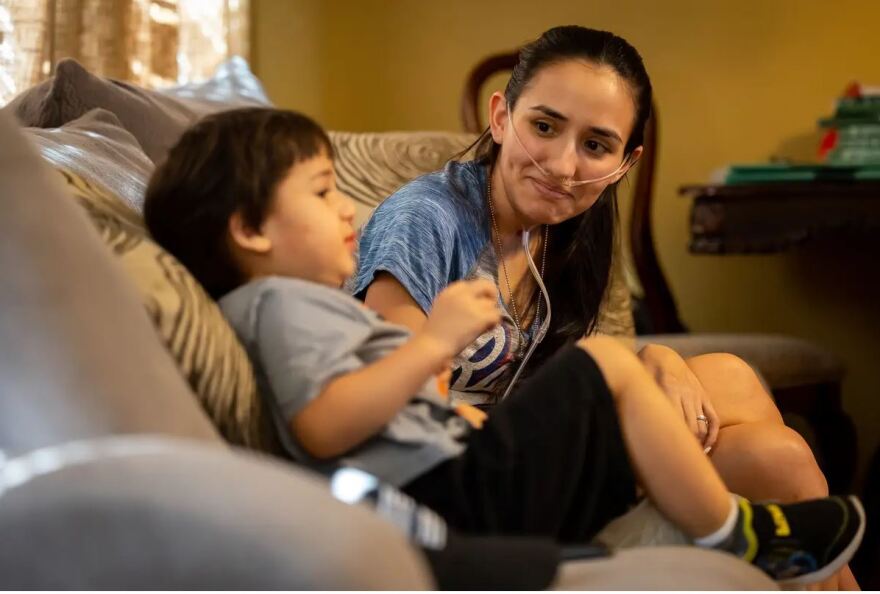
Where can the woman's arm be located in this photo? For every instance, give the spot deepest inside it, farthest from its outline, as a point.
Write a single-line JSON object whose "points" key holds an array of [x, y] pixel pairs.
{"points": [[357, 405], [387, 296]]}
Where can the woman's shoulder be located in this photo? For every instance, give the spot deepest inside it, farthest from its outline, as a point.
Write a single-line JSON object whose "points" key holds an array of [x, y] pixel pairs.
{"points": [[455, 189], [427, 234]]}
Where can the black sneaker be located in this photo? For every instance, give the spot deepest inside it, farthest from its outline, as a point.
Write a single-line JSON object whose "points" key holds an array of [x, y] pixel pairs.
{"points": [[801, 543]]}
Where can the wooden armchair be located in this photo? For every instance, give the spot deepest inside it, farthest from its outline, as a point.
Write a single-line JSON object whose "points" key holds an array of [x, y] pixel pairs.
{"points": [[803, 377]]}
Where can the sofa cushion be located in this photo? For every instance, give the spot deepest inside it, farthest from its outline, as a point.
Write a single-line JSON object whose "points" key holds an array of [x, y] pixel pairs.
{"points": [[145, 513], [97, 148], [187, 320], [782, 361], [663, 568], [78, 355], [155, 118]]}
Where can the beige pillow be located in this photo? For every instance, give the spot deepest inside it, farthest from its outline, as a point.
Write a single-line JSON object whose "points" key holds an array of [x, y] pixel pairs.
{"points": [[187, 320]]}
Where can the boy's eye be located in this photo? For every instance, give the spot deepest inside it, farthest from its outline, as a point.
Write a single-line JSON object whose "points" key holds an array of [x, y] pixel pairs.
{"points": [[323, 193]]}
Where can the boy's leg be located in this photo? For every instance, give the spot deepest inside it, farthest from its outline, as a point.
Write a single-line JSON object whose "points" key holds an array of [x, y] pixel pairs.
{"points": [[669, 462]]}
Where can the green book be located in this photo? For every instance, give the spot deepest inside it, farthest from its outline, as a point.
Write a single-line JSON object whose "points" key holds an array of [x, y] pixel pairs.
{"points": [[763, 173]]}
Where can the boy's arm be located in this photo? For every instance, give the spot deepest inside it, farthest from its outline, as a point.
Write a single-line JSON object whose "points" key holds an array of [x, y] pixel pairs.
{"points": [[357, 405]]}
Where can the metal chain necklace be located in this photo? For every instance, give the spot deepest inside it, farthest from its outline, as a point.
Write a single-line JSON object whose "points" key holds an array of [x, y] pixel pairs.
{"points": [[500, 256]]}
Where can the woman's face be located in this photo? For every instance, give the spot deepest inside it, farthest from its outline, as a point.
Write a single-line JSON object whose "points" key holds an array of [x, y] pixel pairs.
{"points": [[574, 119]]}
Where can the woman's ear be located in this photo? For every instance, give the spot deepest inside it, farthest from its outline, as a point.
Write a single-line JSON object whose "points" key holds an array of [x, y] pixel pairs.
{"points": [[631, 162], [246, 237], [497, 116]]}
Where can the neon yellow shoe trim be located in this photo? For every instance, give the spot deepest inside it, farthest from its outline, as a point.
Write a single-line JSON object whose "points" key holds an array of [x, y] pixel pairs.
{"points": [[782, 527], [751, 538]]}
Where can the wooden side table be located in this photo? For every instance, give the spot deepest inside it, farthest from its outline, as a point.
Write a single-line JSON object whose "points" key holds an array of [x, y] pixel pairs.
{"points": [[766, 218]]}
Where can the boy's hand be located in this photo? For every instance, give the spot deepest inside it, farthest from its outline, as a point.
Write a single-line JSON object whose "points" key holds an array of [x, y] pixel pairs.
{"points": [[461, 312]]}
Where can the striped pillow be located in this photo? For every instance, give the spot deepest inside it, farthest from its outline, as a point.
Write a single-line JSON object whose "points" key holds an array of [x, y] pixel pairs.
{"points": [[371, 166], [187, 320]]}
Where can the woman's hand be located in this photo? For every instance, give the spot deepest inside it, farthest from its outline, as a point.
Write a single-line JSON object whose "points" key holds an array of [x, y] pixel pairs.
{"points": [[684, 390]]}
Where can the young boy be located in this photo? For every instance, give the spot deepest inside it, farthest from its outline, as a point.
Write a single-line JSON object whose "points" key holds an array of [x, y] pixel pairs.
{"points": [[247, 201]]}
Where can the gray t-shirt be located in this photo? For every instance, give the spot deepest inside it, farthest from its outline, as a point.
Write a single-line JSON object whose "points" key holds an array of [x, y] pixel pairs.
{"points": [[301, 335]]}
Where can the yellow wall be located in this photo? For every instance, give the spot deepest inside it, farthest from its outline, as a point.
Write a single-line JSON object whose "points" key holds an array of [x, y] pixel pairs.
{"points": [[735, 80]]}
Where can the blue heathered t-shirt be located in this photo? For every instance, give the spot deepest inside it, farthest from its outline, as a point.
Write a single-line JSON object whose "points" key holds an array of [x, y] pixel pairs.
{"points": [[432, 232]]}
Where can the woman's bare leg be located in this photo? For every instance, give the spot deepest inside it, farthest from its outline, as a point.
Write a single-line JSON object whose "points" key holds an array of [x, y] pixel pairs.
{"points": [[756, 454]]}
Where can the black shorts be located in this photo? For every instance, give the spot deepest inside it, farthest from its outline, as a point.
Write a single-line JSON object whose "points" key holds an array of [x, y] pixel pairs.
{"points": [[549, 461]]}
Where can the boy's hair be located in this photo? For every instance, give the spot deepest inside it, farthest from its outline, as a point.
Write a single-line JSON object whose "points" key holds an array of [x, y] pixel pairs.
{"points": [[228, 162]]}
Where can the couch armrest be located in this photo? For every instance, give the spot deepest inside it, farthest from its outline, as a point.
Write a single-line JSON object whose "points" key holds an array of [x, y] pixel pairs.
{"points": [[159, 513], [663, 568]]}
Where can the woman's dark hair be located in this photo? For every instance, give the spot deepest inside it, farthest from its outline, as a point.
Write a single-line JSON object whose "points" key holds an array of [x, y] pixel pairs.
{"points": [[228, 162], [580, 250]]}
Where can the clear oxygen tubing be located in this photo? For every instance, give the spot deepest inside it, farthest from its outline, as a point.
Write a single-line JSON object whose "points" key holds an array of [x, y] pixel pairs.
{"points": [[545, 324]]}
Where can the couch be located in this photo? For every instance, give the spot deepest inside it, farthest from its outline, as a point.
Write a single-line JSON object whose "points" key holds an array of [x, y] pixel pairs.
{"points": [[135, 450]]}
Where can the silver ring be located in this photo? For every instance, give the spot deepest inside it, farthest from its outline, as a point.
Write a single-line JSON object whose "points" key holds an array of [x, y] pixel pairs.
{"points": [[703, 418]]}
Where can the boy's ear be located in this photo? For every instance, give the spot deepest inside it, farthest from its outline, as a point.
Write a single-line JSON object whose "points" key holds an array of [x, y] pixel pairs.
{"points": [[246, 237]]}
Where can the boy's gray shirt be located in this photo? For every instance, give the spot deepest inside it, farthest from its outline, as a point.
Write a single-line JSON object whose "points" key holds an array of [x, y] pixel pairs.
{"points": [[301, 335]]}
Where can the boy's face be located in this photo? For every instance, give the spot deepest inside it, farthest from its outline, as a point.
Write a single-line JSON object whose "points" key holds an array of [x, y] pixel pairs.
{"points": [[309, 226]]}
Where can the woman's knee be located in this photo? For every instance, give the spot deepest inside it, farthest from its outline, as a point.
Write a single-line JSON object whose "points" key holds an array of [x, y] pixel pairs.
{"points": [[729, 366], [794, 456], [735, 388], [778, 454], [790, 448]]}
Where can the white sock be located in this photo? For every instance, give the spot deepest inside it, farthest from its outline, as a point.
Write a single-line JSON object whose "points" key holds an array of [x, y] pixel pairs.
{"points": [[712, 540]]}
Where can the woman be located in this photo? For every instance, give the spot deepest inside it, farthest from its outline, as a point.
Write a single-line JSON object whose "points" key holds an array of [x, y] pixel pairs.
{"points": [[566, 130]]}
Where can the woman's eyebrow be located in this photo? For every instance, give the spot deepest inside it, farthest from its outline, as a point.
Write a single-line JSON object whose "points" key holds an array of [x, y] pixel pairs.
{"points": [[552, 113], [606, 133]]}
